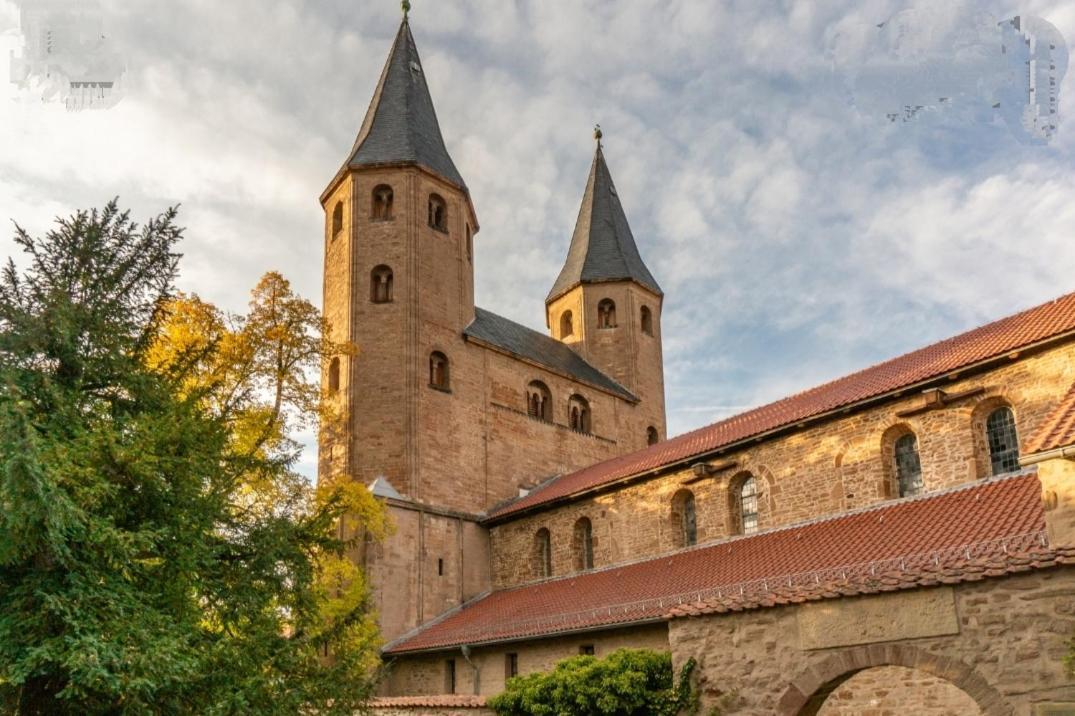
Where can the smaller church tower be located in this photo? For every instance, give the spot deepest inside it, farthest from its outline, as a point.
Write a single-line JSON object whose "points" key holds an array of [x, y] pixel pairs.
{"points": [[606, 305]]}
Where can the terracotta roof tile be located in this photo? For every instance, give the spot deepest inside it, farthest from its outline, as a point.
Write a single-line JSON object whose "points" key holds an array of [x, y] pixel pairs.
{"points": [[988, 342], [442, 701], [771, 567], [1058, 430]]}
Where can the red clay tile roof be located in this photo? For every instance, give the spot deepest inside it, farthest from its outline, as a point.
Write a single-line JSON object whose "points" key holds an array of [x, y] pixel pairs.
{"points": [[447, 701], [1058, 430], [969, 522], [992, 341]]}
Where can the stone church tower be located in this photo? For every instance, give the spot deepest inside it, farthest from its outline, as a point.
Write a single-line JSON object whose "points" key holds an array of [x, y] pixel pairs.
{"points": [[448, 410], [604, 284]]}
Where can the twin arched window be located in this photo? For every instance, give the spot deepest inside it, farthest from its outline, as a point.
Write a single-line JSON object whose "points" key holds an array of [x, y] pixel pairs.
{"points": [[541, 556], [908, 465], [438, 213], [646, 316], [381, 284], [1003, 440], [582, 544], [539, 401], [578, 412], [684, 519], [381, 203], [438, 371], [606, 313], [567, 324], [337, 219]]}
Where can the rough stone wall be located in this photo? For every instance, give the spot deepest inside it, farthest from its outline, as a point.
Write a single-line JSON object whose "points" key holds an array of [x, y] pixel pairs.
{"points": [[624, 352], [896, 691], [420, 675], [1012, 636], [821, 470]]}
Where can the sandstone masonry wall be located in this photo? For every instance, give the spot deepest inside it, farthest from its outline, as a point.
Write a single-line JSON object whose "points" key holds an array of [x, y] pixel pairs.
{"points": [[841, 464]]}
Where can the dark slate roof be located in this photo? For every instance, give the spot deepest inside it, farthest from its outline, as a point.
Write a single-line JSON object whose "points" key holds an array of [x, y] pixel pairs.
{"points": [[401, 125], [524, 342], [602, 247]]}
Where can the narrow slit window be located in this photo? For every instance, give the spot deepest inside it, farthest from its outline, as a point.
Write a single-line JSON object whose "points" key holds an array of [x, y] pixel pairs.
{"points": [[543, 553]]}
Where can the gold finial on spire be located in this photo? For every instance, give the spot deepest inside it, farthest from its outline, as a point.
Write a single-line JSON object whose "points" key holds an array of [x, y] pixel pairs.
{"points": [[406, 5], [597, 134]]}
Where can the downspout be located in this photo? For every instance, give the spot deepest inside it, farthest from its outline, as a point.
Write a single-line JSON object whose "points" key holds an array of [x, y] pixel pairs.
{"points": [[1064, 453], [477, 672]]}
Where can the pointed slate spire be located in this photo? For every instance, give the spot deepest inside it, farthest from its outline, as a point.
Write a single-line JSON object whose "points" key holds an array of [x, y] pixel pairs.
{"points": [[401, 125], [602, 247]]}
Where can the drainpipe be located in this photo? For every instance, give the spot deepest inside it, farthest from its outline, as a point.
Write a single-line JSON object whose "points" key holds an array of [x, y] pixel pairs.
{"points": [[477, 672], [1064, 453]]}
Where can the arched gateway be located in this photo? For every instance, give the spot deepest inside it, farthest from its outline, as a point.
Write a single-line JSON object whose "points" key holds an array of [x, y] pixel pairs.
{"points": [[809, 691]]}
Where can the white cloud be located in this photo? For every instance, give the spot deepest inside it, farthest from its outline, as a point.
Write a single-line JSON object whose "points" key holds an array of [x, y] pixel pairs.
{"points": [[795, 239]]}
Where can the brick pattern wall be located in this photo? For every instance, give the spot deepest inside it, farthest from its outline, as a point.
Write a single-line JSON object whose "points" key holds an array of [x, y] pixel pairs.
{"points": [[897, 691], [420, 675], [1013, 634], [839, 465]]}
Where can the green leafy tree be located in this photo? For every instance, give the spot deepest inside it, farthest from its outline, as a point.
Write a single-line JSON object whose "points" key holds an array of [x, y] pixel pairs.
{"points": [[628, 682], [159, 554]]}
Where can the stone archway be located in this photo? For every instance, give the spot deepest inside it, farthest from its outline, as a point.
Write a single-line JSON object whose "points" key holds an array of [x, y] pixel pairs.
{"points": [[808, 691]]}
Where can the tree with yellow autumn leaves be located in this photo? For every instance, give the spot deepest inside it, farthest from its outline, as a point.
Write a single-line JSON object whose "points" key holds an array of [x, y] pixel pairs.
{"points": [[159, 553]]}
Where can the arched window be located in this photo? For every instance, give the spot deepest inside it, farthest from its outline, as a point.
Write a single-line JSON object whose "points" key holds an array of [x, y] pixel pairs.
{"points": [[684, 519], [578, 413], [582, 544], [438, 370], [652, 437], [381, 284], [542, 553], [908, 466], [606, 313], [381, 203], [1003, 440], [337, 219], [647, 320], [567, 324], [745, 497], [539, 401], [334, 376], [438, 213]]}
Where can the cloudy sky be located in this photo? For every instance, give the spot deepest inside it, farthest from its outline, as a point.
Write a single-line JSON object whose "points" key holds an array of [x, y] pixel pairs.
{"points": [[798, 233]]}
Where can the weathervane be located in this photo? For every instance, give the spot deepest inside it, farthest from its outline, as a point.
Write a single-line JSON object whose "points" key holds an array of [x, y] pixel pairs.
{"points": [[406, 5], [597, 134]]}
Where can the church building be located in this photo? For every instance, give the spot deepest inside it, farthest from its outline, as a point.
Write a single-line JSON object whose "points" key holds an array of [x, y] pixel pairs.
{"points": [[906, 532]]}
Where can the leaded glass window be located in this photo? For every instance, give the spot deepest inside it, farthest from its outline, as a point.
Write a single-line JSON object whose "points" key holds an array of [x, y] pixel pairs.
{"points": [[748, 506], [908, 466], [1003, 441]]}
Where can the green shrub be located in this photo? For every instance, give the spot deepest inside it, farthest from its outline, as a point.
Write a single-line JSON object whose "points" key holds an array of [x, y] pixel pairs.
{"points": [[628, 682]]}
